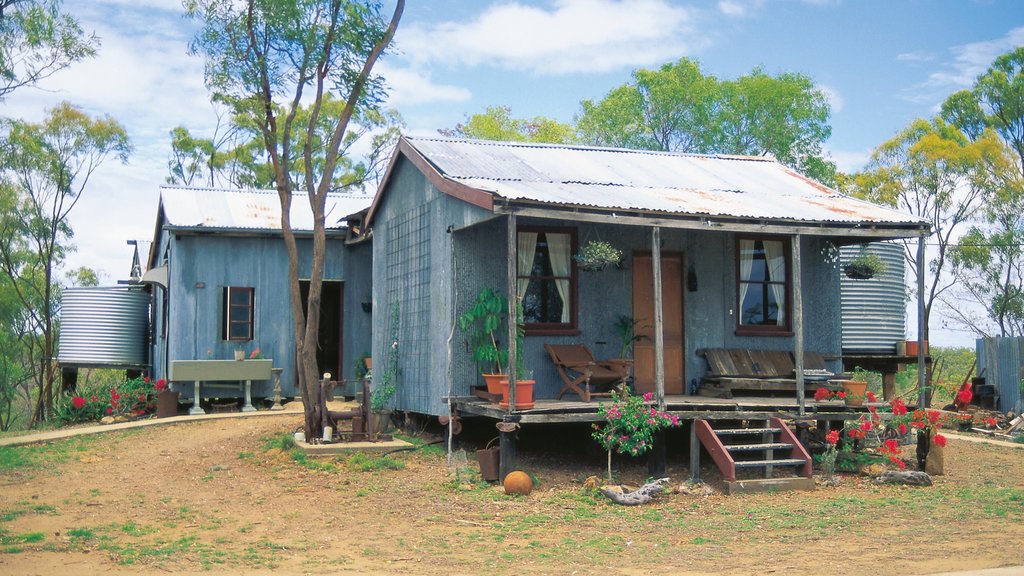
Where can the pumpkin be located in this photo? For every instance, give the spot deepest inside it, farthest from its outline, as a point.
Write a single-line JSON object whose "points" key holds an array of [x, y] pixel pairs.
{"points": [[518, 482]]}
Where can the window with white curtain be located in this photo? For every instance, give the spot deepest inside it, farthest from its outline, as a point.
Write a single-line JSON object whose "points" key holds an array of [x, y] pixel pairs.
{"points": [[763, 284], [545, 279]]}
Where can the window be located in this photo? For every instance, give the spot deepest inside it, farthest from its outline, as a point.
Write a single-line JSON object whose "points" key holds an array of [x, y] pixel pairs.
{"points": [[239, 307], [546, 282], [763, 285]]}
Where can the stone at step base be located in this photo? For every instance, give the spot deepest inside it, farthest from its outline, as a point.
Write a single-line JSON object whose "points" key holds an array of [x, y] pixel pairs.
{"points": [[769, 485]]}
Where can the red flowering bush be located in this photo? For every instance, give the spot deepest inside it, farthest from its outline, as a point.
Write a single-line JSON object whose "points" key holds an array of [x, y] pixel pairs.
{"points": [[131, 398], [888, 431]]}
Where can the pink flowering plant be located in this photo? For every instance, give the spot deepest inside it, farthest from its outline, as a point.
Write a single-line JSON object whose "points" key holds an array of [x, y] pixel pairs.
{"points": [[630, 424]]}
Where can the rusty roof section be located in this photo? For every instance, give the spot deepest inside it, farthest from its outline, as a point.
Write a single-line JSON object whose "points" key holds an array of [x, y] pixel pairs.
{"points": [[640, 181], [223, 209]]}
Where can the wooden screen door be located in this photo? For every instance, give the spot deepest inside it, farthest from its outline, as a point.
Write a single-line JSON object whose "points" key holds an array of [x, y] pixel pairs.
{"points": [[643, 314]]}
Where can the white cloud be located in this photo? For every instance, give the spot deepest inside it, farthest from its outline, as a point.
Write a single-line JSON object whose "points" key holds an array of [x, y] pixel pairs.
{"points": [[849, 161], [573, 36], [835, 99], [969, 62], [407, 86], [732, 8], [915, 57]]}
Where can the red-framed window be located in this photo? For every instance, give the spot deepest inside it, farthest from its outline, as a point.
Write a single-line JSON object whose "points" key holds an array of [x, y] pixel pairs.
{"points": [[763, 286], [547, 279]]}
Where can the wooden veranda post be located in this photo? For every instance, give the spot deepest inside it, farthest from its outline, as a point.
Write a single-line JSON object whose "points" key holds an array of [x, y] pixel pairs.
{"points": [[656, 459], [922, 377], [513, 302], [507, 429], [798, 323]]}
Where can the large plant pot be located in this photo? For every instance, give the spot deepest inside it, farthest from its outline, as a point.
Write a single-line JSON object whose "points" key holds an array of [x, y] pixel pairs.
{"points": [[912, 347], [167, 404], [855, 392], [524, 394], [382, 423], [494, 382]]}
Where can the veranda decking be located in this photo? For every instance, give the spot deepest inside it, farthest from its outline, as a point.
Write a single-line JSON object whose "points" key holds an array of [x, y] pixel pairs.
{"points": [[685, 407]]}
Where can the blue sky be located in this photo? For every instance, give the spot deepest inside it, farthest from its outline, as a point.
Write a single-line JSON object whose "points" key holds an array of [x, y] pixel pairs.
{"points": [[883, 63]]}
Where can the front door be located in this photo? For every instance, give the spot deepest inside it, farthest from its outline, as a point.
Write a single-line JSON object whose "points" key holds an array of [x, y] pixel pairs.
{"points": [[672, 312], [329, 341]]}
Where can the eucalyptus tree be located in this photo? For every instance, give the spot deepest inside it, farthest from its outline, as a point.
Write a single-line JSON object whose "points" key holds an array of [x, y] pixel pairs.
{"points": [[44, 170], [932, 170], [266, 59], [497, 123], [988, 262], [680, 108], [37, 40]]}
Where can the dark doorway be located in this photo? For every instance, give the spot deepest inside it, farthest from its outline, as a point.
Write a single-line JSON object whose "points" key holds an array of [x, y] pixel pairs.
{"points": [[328, 353]]}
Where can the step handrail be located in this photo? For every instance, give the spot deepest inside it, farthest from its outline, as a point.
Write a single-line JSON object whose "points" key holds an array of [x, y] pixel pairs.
{"points": [[798, 452], [716, 449]]}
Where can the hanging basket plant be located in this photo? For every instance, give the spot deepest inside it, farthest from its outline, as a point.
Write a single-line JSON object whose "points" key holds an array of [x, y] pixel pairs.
{"points": [[864, 266], [597, 254]]}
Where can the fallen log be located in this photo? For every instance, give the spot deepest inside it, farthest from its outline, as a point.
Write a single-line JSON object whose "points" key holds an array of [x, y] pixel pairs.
{"points": [[641, 495], [908, 477]]}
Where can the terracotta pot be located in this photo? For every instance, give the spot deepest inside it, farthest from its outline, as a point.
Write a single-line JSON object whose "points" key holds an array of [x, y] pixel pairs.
{"points": [[494, 382], [855, 392], [167, 404], [524, 394], [912, 347]]}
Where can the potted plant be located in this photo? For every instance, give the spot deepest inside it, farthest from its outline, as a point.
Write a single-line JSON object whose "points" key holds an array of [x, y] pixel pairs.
{"points": [[483, 321], [524, 377], [384, 390], [865, 265], [597, 254]]}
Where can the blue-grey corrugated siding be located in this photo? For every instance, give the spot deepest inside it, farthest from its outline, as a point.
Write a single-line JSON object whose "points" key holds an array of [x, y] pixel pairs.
{"points": [[1002, 360], [217, 260], [428, 271]]}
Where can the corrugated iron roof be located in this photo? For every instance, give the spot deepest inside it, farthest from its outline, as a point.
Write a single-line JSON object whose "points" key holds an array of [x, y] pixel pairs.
{"points": [[250, 209], [619, 179]]}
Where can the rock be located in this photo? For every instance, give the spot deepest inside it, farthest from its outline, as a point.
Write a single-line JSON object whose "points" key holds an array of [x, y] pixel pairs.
{"points": [[935, 463], [591, 483], [908, 477], [107, 420], [691, 489], [873, 470]]}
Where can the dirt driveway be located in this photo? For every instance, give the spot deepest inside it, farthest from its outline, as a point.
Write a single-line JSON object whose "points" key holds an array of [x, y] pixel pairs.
{"points": [[210, 496]]}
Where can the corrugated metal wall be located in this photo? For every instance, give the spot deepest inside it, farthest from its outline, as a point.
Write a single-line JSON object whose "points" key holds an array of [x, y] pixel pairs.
{"points": [[874, 311], [1002, 360]]}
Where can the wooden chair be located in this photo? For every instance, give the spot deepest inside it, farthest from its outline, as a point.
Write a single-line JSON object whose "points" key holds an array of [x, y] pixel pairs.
{"points": [[576, 366]]}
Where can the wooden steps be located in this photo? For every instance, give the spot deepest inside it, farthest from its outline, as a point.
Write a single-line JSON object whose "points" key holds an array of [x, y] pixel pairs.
{"points": [[767, 446]]}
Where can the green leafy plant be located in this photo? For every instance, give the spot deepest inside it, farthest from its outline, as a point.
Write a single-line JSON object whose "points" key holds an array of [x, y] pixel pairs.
{"points": [[483, 321], [625, 326], [597, 254], [380, 397], [864, 265]]}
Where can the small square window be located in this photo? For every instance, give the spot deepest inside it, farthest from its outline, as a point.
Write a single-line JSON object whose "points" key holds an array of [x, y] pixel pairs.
{"points": [[239, 313]]}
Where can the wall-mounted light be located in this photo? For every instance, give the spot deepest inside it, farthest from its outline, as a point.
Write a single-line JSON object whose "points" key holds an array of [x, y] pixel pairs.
{"points": [[367, 307]]}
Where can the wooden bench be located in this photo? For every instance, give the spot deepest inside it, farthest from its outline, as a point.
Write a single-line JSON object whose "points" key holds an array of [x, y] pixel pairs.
{"points": [[763, 372]]}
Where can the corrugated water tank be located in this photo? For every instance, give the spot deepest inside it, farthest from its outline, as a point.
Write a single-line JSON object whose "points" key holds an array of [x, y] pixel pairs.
{"points": [[874, 311], [104, 326]]}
